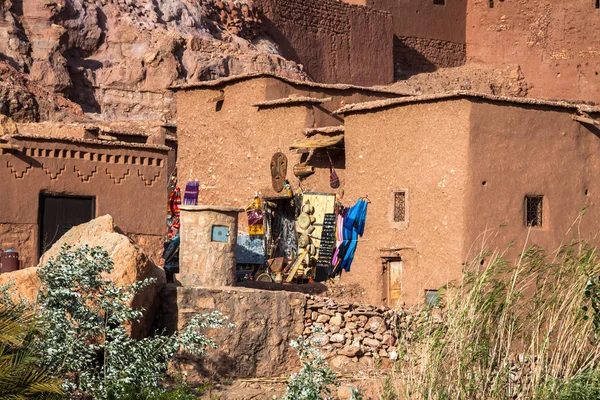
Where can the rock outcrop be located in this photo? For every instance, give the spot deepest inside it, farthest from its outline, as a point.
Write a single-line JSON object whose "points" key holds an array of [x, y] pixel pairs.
{"points": [[130, 265], [101, 53]]}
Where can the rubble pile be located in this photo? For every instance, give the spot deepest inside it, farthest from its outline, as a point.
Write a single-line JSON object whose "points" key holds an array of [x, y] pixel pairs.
{"points": [[353, 330]]}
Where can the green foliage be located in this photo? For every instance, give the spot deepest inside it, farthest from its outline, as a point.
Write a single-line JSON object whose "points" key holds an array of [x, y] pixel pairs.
{"points": [[388, 391], [21, 376], [315, 378], [87, 341]]}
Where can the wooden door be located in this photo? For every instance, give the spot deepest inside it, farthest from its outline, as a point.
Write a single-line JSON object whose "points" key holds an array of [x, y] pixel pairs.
{"points": [[58, 214], [395, 282]]}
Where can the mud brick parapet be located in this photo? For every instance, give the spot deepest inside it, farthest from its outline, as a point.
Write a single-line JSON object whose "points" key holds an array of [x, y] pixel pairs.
{"points": [[334, 41]]}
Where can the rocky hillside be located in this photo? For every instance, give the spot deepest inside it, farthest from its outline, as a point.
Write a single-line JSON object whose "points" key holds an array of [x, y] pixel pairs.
{"points": [[113, 59]]}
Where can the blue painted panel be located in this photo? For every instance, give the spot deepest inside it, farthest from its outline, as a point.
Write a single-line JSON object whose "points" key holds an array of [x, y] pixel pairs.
{"points": [[251, 249], [220, 234]]}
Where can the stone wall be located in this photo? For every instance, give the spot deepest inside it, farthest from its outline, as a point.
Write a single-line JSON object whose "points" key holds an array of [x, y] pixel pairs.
{"points": [[352, 330], [334, 41], [265, 321]]}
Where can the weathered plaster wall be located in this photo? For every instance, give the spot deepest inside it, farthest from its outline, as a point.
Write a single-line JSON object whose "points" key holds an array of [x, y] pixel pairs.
{"points": [[336, 42], [556, 43], [520, 151], [257, 346], [229, 151], [426, 36], [422, 148], [246, 137], [128, 183]]}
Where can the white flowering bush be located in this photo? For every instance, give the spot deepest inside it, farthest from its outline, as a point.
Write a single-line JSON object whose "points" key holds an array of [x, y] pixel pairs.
{"points": [[315, 378], [86, 341]]}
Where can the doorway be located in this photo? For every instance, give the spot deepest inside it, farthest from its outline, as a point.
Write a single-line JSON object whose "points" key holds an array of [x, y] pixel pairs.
{"points": [[58, 214], [394, 282]]}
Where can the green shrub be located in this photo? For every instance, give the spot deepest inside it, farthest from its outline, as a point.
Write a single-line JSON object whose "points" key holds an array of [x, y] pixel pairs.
{"points": [[315, 378], [86, 340]]}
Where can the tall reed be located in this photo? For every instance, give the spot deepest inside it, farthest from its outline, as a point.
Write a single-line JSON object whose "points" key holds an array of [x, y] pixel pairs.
{"points": [[506, 330]]}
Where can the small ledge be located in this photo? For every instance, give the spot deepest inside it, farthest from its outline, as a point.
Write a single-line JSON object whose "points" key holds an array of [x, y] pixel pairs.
{"points": [[186, 207], [326, 130], [292, 100]]}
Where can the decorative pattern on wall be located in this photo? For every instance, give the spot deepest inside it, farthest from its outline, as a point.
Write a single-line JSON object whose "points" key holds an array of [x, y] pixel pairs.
{"points": [[18, 173], [83, 176], [58, 160], [116, 178], [53, 174], [94, 156], [148, 182]]}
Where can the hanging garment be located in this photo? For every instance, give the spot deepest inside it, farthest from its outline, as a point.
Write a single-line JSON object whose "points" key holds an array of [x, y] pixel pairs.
{"points": [[354, 225], [173, 218], [190, 197]]}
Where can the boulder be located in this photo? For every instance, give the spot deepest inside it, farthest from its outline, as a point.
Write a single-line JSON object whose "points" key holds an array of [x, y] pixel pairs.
{"points": [[130, 265], [25, 284]]}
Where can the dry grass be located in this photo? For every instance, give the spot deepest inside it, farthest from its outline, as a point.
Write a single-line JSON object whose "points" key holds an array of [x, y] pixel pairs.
{"points": [[508, 331]]}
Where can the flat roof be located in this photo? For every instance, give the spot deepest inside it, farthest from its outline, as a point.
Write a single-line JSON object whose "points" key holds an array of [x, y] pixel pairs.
{"points": [[388, 103], [254, 75], [116, 143]]}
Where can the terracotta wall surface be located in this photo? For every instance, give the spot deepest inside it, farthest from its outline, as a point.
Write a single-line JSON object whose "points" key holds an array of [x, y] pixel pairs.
{"points": [[229, 151], [336, 42], [556, 43], [247, 137], [423, 149], [128, 183], [520, 151], [426, 36], [276, 89]]}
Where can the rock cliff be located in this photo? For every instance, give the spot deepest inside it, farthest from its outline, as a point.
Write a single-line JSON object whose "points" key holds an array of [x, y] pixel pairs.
{"points": [[99, 54]]}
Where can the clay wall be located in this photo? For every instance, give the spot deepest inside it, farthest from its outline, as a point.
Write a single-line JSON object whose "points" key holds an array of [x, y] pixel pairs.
{"points": [[247, 137], [128, 183], [334, 41], [526, 150], [421, 149], [427, 36], [265, 323], [556, 44]]}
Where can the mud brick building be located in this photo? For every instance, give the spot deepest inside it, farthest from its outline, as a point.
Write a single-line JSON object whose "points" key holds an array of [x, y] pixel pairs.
{"points": [[55, 176], [442, 172], [454, 174]]}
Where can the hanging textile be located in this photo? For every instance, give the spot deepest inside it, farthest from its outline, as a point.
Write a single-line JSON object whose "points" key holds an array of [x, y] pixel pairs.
{"points": [[173, 213], [354, 220], [190, 197], [256, 217]]}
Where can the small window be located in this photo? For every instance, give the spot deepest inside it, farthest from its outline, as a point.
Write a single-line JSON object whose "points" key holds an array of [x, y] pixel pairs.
{"points": [[220, 234], [597, 3], [533, 210], [400, 206], [439, 2], [432, 298], [491, 3]]}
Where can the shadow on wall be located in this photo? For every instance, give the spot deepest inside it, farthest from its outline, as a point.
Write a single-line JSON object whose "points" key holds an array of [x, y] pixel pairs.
{"points": [[319, 159], [286, 48], [408, 61]]}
